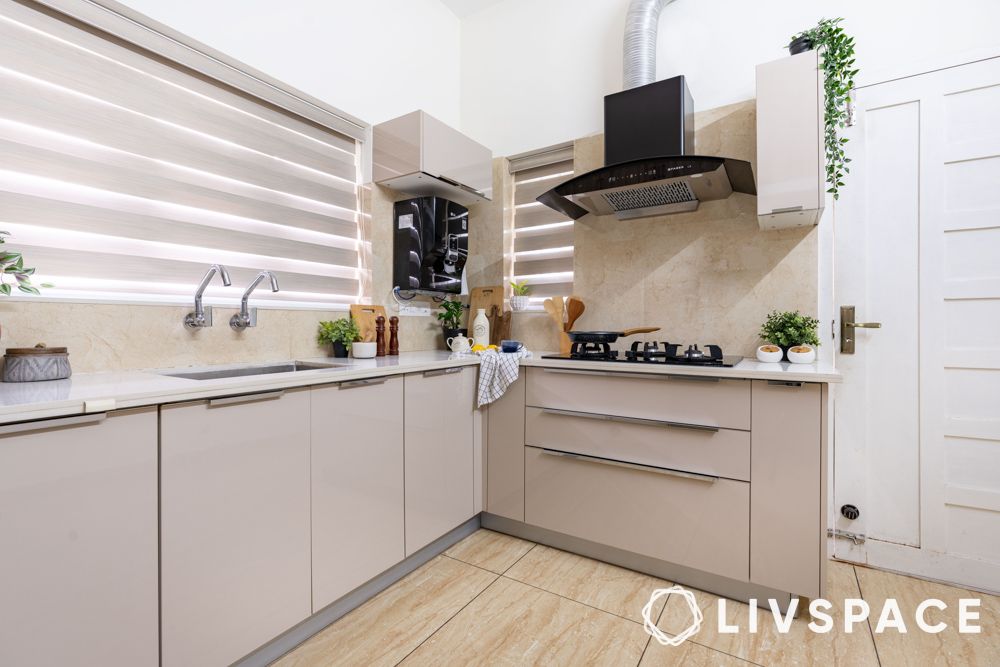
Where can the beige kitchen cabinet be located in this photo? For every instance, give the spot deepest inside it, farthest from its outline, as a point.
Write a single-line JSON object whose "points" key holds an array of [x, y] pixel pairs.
{"points": [[357, 484], [439, 466], [418, 154], [505, 453], [78, 541], [788, 494], [234, 524], [791, 171]]}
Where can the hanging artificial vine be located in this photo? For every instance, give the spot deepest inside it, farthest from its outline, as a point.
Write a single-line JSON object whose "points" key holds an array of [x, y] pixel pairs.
{"points": [[838, 69]]}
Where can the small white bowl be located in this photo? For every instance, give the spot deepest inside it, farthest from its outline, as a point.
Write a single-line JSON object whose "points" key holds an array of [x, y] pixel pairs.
{"points": [[363, 350], [769, 357], [802, 357]]}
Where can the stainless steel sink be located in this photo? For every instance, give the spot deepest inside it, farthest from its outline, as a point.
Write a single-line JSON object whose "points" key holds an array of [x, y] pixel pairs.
{"points": [[256, 369]]}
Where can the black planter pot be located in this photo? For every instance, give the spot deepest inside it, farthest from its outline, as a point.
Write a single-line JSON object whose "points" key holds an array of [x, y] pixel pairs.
{"points": [[800, 45], [784, 351], [339, 349], [447, 333]]}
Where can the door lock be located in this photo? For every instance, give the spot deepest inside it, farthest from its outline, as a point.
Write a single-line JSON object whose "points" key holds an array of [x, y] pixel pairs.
{"points": [[847, 327]]}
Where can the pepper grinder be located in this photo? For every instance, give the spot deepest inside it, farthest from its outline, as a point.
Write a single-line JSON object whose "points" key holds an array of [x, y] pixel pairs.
{"points": [[380, 336], [393, 336]]}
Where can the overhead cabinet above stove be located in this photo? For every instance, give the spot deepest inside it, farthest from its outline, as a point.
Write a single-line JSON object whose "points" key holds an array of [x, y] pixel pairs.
{"points": [[791, 174], [419, 155]]}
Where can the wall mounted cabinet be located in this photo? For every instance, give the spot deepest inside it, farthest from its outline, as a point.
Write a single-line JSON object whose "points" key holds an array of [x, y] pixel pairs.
{"points": [[78, 541], [419, 155], [791, 173]]}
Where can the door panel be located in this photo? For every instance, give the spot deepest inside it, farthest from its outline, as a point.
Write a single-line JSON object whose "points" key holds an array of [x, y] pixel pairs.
{"points": [[944, 124]]}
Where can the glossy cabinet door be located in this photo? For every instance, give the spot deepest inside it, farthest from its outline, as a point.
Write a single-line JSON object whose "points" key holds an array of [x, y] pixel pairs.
{"points": [[234, 524], [505, 453], [439, 453], [357, 484], [78, 582]]}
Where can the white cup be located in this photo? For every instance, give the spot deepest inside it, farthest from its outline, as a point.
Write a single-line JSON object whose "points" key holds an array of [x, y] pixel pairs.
{"points": [[363, 350]]}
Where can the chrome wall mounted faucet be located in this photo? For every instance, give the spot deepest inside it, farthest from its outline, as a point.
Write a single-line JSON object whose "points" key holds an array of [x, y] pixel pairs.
{"points": [[202, 317], [247, 317]]}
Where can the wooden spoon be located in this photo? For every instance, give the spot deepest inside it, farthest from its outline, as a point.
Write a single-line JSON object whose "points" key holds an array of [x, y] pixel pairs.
{"points": [[574, 309]]}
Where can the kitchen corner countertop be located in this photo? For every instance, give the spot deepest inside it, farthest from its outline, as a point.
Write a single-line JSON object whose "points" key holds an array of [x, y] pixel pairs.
{"points": [[100, 392]]}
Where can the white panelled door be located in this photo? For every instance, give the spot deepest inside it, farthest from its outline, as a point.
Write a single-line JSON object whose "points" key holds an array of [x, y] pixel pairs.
{"points": [[917, 445]]}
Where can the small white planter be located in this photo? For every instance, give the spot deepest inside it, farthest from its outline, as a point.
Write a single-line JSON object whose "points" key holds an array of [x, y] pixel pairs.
{"points": [[363, 350], [519, 302], [769, 354], [806, 354]]}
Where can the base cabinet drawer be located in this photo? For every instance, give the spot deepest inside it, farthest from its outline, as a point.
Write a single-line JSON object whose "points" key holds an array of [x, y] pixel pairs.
{"points": [[708, 450], [692, 399], [698, 523]]}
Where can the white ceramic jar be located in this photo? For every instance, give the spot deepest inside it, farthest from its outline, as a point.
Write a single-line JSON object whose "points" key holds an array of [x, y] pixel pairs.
{"points": [[481, 328], [363, 350], [769, 353]]}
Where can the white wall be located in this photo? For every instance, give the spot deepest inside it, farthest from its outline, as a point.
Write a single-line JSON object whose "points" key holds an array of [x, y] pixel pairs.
{"points": [[534, 71], [374, 60]]}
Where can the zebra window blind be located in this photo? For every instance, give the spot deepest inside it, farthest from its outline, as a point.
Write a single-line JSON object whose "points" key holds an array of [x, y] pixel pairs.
{"points": [[542, 244], [124, 175]]}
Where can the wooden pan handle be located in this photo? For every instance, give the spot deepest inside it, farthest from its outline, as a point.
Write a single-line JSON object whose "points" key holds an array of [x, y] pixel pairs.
{"points": [[639, 330]]}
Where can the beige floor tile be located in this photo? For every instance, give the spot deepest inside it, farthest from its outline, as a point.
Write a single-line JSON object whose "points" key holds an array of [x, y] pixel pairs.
{"points": [[800, 646], [918, 648], [687, 654], [393, 623], [514, 624], [607, 587], [489, 550]]}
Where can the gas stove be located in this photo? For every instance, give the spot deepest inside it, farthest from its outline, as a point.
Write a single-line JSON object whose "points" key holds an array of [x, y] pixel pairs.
{"points": [[651, 353]]}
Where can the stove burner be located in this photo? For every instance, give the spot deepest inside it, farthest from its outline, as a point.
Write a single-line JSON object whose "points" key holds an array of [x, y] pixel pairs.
{"points": [[670, 353], [600, 351]]}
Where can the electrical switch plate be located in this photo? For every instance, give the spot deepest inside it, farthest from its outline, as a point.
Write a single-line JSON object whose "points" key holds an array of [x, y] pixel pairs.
{"points": [[414, 311]]}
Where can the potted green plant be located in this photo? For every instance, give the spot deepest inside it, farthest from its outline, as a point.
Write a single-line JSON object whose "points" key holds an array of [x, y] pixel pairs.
{"points": [[789, 331], [837, 61], [519, 295], [12, 266], [451, 319], [340, 334]]}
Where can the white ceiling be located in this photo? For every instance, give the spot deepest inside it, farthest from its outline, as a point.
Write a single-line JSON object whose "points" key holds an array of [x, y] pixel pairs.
{"points": [[463, 8]]}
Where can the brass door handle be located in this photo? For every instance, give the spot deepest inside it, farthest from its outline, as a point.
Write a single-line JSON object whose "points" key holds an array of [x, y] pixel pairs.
{"points": [[847, 327], [863, 325]]}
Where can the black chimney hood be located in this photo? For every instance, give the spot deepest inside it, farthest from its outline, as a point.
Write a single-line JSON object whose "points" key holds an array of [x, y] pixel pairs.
{"points": [[650, 169]]}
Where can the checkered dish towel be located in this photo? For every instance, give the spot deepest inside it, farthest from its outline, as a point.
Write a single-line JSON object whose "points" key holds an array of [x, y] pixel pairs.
{"points": [[497, 371]]}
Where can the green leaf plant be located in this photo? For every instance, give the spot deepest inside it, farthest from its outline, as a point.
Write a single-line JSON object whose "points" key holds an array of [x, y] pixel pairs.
{"points": [[13, 272], [451, 314], [790, 328], [837, 62]]}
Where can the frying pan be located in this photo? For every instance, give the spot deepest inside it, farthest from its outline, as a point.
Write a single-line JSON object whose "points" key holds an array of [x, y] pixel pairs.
{"points": [[606, 336]]}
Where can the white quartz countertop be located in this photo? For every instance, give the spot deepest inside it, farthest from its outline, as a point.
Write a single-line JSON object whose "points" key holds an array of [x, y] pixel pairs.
{"points": [[749, 369], [100, 392]]}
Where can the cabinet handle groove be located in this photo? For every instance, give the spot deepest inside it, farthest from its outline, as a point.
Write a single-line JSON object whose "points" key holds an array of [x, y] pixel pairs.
{"points": [[367, 382], [630, 420], [710, 479], [695, 378], [46, 424], [443, 371], [246, 398], [784, 383]]}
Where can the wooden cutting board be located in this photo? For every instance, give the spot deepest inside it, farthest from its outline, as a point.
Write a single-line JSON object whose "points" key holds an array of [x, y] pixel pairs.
{"points": [[364, 317], [485, 298], [499, 325]]}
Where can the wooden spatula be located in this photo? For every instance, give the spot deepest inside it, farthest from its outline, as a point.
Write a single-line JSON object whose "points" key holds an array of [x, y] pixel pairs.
{"points": [[574, 309], [554, 311]]}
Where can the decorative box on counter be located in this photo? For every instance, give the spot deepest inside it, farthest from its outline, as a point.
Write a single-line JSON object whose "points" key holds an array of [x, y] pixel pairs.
{"points": [[34, 364]]}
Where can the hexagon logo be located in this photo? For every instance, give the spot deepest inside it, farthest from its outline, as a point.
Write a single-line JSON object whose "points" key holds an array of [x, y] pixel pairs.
{"points": [[650, 625]]}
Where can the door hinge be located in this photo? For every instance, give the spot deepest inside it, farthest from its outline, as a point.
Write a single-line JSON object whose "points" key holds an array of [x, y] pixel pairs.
{"points": [[857, 538]]}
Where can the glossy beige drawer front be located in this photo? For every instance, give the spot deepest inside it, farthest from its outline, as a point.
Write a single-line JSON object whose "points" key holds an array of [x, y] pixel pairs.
{"points": [[709, 450], [692, 522], [674, 398]]}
